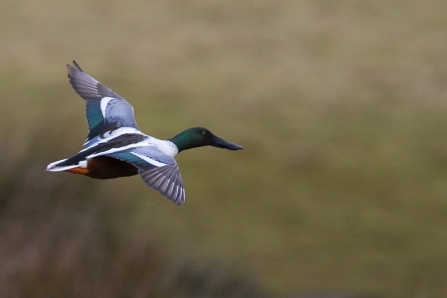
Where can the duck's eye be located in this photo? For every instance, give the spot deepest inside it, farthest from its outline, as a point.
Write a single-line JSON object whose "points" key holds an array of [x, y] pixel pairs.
{"points": [[203, 132]]}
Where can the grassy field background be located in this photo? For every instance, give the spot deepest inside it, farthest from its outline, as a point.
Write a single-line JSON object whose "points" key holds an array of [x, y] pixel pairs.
{"points": [[341, 188]]}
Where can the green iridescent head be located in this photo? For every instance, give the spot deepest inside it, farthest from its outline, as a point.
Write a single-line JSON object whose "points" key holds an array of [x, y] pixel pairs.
{"points": [[198, 137]]}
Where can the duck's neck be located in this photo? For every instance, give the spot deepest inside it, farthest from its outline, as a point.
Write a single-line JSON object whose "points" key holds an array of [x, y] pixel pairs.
{"points": [[185, 140]]}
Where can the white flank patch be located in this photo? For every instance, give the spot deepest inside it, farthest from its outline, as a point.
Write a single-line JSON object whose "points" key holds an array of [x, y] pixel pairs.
{"points": [[54, 164], [52, 167], [150, 160], [104, 103], [60, 169]]}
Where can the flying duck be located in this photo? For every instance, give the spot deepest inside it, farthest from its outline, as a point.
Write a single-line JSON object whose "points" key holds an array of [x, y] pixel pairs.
{"points": [[115, 146]]}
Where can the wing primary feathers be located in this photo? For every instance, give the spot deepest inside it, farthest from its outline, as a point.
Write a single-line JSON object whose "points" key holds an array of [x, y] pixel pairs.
{"points": [[167, 180], [154, 179], [77, 66], [167, 184]]}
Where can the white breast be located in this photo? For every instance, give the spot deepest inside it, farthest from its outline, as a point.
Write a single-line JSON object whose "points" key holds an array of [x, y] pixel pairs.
{"points": [[167, 147]]}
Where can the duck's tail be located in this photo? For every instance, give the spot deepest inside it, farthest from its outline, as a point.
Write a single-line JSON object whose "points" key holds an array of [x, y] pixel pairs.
{"points": [[60, 165]]}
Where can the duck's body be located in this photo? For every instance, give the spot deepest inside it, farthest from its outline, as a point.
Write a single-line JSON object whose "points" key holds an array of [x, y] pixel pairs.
{"points": [[115, 147], [101, 159]]}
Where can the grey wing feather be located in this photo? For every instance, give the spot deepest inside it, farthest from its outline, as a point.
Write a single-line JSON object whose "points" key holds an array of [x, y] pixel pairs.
{"points": [[86, 86], [120, 112], [167, 180]]}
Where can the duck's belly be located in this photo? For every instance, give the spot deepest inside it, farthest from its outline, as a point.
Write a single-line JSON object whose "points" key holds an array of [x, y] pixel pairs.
{"points": [[105, 167]]}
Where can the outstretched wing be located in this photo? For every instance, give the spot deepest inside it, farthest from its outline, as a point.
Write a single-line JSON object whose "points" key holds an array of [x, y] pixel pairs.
{"points": [[105, 110], [158, 170]]}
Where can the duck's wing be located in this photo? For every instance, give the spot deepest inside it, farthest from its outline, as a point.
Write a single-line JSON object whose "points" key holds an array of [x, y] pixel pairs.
{"points": [[158, 170], [105, 110]]}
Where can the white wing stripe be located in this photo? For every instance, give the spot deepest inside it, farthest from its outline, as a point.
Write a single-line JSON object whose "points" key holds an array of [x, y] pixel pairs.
{"points": [[113, 150], [115, 134], [150, 160]]}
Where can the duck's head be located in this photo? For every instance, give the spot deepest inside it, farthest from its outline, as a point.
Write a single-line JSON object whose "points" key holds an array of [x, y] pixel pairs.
{"points": [[198, 137]]}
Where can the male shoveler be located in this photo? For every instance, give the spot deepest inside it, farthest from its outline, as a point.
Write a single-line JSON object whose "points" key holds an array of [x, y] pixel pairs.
{"points": [[115, 146]]}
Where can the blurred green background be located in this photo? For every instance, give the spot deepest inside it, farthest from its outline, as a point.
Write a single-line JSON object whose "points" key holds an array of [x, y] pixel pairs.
{"points": [[341, 187]]}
